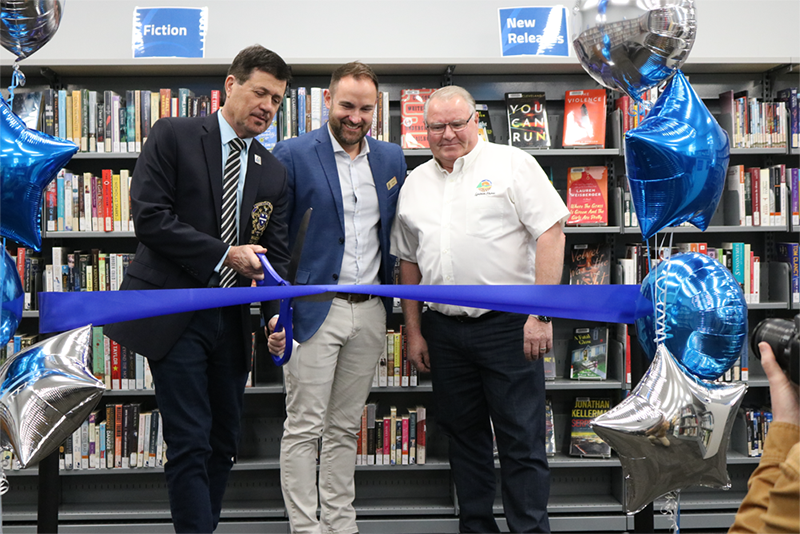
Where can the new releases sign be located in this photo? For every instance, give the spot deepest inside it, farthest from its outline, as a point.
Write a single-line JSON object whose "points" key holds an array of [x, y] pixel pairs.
{"points": [[534, 31], [169, 31]]}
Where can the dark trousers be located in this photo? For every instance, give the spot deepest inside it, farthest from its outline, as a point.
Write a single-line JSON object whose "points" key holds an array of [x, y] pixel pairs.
{"points": [[199, 389], [479, 370]]}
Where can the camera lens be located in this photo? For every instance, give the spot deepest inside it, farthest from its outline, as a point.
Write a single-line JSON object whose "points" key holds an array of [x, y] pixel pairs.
{"points": [[777, 332]]}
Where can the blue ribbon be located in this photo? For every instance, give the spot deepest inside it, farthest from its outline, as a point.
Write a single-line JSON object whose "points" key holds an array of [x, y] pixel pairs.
{"points": [[611, 303]]}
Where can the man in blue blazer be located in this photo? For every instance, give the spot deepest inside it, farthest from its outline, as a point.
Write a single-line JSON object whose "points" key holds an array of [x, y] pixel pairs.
{"points": [[352, 183]]}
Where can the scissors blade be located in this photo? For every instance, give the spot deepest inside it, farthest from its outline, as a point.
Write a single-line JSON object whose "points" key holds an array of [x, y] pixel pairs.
{"points": [[297, 251]]}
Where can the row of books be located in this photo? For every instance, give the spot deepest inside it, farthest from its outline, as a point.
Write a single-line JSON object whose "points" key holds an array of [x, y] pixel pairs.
{"points": [[768, 196], [89, 203], [80, 270], [757, 424], [105, 121], [119, 437], [16, 343], [758, 124], [392, 439], [584, 119], [394, 368], [303, 110], [117, 366]]}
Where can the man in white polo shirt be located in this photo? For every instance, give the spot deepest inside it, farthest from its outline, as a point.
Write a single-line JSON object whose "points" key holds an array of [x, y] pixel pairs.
{"points": [[479, 213]]}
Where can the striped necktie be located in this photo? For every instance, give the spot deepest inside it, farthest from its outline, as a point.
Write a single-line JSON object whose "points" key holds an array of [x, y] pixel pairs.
{"points": [[230, 185]]}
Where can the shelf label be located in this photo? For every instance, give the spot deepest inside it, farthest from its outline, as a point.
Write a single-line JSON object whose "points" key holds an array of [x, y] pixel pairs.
{"points": [[534, 31], [169, 31]]}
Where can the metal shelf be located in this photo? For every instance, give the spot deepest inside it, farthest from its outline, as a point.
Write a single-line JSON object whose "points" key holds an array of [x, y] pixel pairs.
{"points": [[106, 155], [758, 151], [89, 235], [567, 384], [592, 230], [711, 229]]}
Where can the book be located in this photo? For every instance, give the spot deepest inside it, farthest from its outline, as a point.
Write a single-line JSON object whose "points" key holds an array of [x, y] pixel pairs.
{"points": [[590, 264], [413, 133], [485, 129], [527, 120], [27, 106], [584, 118], [583, 440], [588, 350], [587, 196], [550, 429], [790, 253], [549, 365]]}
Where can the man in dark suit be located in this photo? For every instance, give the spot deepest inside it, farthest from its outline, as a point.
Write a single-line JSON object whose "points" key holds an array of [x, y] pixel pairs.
{"points": [[352, 182], [206, 199]]}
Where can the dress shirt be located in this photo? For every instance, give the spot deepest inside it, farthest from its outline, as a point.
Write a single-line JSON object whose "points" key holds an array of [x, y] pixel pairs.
{"points": [[479, 224], [227, 134], [362, 252]]}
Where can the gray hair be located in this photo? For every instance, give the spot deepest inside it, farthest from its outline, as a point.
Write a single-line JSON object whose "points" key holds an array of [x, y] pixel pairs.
{"points": [[448, 93]]}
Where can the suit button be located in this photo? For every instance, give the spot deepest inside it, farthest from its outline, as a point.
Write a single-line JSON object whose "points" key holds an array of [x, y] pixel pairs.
{"points": [[335, 276], [341, 241]]}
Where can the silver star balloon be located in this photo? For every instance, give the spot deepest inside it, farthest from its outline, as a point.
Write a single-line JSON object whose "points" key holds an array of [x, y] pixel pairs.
{"points": [[671, 432], [46, 391]]}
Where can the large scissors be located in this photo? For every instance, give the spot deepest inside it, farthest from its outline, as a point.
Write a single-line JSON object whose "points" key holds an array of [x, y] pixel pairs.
{"points": [[271, 278]]}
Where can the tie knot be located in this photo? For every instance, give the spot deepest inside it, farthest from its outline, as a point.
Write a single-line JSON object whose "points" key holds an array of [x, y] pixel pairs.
{"points": [[236, 144]]}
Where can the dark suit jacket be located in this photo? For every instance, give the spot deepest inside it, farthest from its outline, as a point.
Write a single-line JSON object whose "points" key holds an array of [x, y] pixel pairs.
{"points": [[176, 198], [314, 182]]}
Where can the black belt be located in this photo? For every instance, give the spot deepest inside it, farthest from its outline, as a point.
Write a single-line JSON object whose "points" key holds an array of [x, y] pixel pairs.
{"points": [[468, 319], [354, 297]]}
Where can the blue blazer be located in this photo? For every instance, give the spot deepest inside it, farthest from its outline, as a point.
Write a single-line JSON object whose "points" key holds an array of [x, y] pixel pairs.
{"points": [[313, 181]]}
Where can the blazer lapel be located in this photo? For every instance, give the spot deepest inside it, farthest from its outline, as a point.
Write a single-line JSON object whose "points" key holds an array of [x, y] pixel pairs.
{"points": [[212, 147], [251, 182], [328, 162], [378, 176]]}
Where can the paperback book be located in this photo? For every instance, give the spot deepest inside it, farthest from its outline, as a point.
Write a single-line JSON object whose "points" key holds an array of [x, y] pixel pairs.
{"points": [[587, 196]]}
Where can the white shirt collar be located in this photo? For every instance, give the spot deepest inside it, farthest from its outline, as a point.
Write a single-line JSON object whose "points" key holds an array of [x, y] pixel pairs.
{"points": [[464, 161], [338, 148]]}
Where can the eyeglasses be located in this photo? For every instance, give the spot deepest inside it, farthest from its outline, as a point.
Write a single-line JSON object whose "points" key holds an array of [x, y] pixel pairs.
{"points": [[456, 126]]}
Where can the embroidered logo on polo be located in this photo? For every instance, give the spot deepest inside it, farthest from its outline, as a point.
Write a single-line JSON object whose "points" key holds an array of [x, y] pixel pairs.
{"points": [[484, 188]]}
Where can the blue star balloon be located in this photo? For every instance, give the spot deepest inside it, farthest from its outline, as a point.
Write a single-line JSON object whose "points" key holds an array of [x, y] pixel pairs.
{"points": [[706, 314], [676, 161], [29, 159], [12, 296]]}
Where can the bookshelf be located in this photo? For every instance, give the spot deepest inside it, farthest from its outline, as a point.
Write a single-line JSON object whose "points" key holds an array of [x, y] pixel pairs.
{"points": [[586, 493]]}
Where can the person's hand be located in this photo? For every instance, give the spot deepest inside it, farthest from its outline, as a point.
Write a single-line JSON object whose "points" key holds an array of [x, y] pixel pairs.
{"points": [[538, 338], [276, 341], [244, 261], [785, 395], [417, 352]]}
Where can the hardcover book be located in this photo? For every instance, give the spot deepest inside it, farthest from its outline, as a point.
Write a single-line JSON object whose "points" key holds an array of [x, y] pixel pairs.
{"points": [[583, 441], [413, 133], [587, 196], [590, 264], [527, 120], [585, 118], [550, 437], [588, 352]]}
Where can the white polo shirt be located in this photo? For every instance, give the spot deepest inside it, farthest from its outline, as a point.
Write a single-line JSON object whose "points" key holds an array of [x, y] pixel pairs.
{"points": [[479, 224]]}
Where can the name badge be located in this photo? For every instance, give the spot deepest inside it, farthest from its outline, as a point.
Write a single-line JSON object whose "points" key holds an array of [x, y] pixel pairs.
{"points": [[391, 183], [260, 219]]}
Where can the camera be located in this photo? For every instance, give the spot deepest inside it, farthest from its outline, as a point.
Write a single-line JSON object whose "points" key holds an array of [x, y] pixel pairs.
{"points": [[783, 336]]}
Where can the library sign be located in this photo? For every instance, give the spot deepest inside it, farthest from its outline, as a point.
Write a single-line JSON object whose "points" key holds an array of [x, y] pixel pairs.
{"points": [[169, 31], [534, 31]]}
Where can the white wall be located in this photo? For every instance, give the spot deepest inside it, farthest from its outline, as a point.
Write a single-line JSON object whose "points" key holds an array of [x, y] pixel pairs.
{"points": [[394, 31]]}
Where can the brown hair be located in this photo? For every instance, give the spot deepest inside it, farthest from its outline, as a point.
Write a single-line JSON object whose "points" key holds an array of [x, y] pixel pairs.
{"points": [[258, 57], [357, 70]]}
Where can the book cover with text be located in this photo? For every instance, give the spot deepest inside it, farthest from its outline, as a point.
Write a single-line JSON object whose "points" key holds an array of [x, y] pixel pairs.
{"points": [[585, 118], [587, 196], [527, 120]]}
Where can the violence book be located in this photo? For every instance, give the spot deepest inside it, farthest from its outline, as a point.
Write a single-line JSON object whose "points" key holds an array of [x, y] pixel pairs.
{"points": [[527, 120], [588, 351], [587, 196], [583, 440], [585, 118]]}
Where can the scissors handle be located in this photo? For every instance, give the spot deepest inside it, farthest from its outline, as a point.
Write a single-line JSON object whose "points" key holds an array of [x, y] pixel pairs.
{"points": [[285, 323], [271, 278]]}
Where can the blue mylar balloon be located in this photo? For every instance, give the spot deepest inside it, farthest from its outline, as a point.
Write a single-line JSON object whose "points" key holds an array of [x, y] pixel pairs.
{"points": [[12, 296], [706, 314], [676, 161], [29, 159]]}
